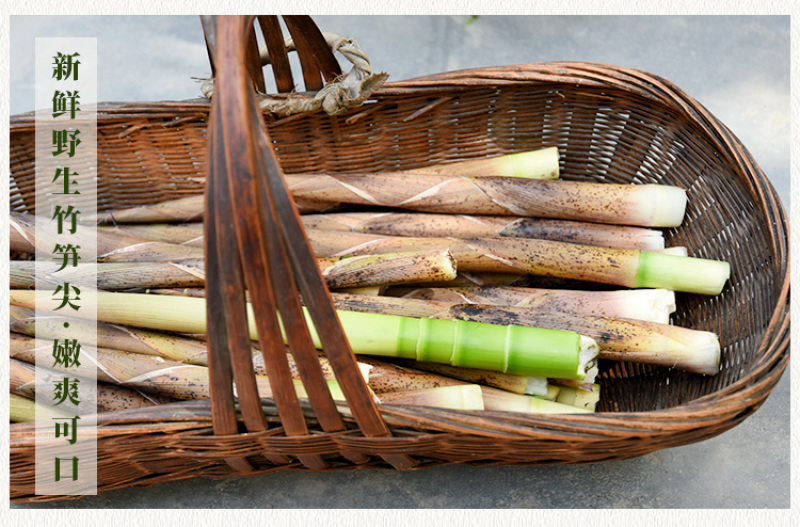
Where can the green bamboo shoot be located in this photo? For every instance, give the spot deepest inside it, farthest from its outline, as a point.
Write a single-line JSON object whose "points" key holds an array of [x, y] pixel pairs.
{"points": [[619, 339], [622, 267], [511, 349]]}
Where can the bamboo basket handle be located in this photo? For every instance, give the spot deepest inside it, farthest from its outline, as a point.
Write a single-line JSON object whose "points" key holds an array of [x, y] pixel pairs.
{"points": [[255, 242], [327, 87]]}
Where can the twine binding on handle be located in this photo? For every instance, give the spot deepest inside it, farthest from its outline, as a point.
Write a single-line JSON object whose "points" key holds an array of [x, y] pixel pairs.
{"points": [[345, 92]]}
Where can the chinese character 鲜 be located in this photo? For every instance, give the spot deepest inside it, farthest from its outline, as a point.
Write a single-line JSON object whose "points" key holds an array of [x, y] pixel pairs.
{"points": [[66, 102]]}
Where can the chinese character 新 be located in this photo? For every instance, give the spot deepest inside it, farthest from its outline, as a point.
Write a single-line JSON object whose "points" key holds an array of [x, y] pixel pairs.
{"points": [[65, 66]]}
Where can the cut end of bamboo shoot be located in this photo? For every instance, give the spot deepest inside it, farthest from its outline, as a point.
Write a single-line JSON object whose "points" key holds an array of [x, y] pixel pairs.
{"points": [[678, 347], [706, 356], [669, 205], [536, 386], [680, 273], [588, 352], [552, 392], [653, 305], [676, 251], [586, 399]]}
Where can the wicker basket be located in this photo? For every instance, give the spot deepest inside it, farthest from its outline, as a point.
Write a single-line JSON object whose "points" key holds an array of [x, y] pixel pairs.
{"points": [[611, 124]]}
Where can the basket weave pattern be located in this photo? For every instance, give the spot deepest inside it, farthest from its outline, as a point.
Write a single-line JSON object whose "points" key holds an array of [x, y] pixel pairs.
{"points": [[610, 124]]}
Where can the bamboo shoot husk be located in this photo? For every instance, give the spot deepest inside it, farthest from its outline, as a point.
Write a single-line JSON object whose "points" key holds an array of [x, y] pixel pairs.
{"points": [[108, 397], [186, 209], [640, 205], [116, 276], [147, 373], [189, 234], [519, 384], [119, 337], [430, 225], [542, 163], [654, 305], [338, 272], [110, 246]]}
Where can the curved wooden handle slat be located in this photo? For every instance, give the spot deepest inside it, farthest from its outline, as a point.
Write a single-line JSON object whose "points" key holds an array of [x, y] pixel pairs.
{"points": [[279, 58], [314, 53], [249, 202]]}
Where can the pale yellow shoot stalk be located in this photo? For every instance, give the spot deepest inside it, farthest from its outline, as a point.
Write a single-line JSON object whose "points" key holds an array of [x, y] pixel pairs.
{"points": [[22, 409], [500, 400], [534, 164], [587, 399], [456, 397]]}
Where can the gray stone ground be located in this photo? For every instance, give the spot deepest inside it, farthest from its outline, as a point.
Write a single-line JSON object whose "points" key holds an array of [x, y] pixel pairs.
{"points": [[737, 66]]}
